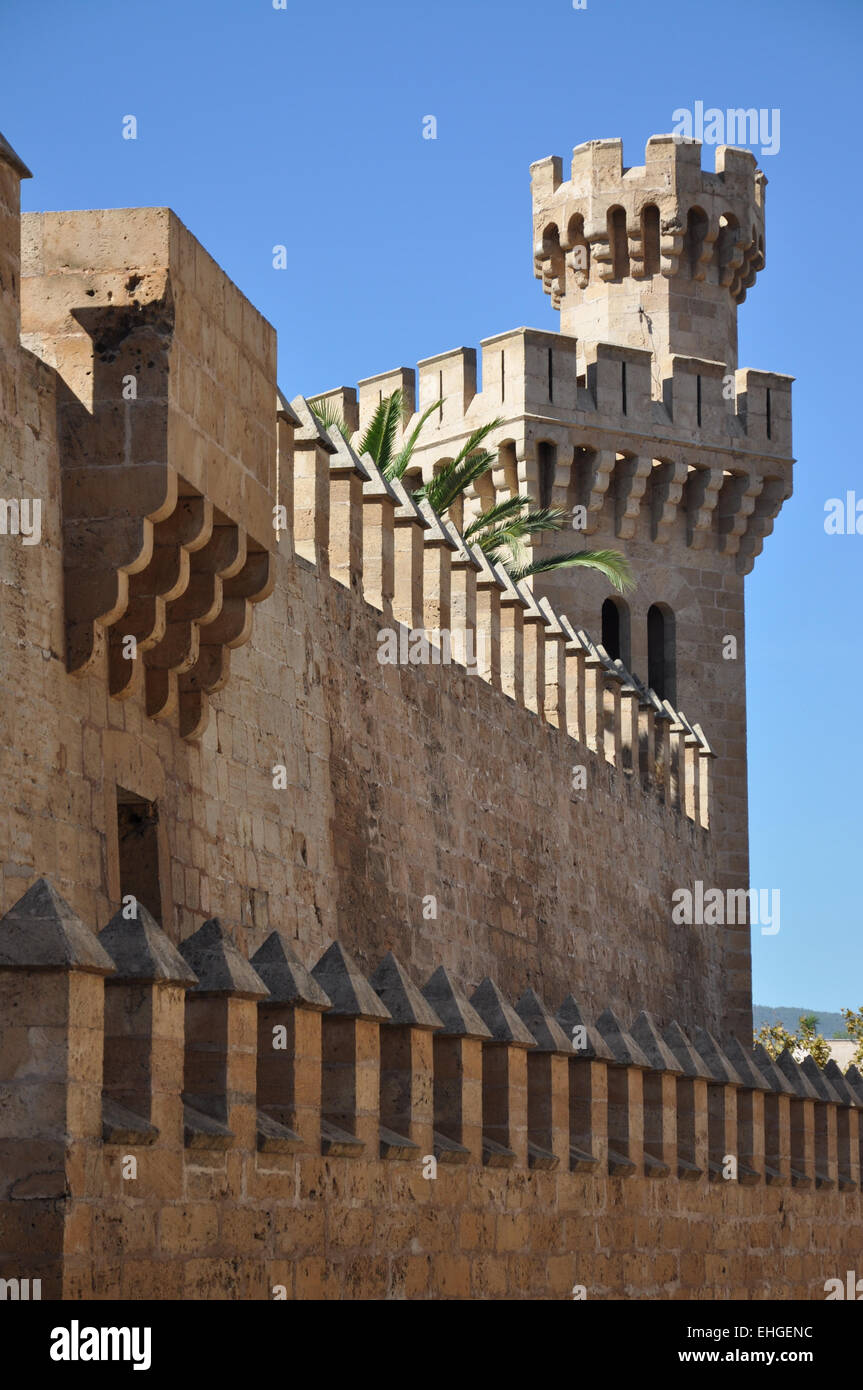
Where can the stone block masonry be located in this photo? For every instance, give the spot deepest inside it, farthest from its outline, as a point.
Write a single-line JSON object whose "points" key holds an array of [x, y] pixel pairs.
{"points": [[192, 1125]]}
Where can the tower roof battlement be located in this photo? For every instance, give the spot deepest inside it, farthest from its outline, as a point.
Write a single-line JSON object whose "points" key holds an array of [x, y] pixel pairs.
{"points": [[610, 242]]}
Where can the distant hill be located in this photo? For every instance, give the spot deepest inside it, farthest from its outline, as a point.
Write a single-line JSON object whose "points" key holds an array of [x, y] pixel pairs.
{"points": [[828, 1023]]}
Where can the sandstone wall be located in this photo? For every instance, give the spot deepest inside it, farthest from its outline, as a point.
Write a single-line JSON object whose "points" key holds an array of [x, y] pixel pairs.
{"points": [[402, 782]]}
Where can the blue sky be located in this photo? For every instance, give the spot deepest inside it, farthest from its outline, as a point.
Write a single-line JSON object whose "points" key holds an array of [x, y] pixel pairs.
{"points": [[303, 127]]}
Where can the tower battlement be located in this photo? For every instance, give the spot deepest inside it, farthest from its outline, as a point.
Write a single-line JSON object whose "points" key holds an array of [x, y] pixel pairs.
{"points": [[660, 254]]}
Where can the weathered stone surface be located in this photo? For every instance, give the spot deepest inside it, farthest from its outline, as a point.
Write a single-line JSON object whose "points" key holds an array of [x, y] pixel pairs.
{"points": [[285, 976], [401, 997], [140, 950], [346, 987], [41, 932], [220, 968]]}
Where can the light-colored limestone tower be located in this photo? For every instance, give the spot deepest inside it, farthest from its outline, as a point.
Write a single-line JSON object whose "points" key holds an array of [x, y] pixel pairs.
{"points": [[636, 420]]}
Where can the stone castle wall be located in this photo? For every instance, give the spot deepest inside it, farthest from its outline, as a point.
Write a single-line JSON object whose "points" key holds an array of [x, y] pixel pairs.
{"points": [[401, 782]]}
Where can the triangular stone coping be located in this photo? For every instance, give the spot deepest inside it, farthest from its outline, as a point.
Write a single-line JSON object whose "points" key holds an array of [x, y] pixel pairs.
{"points": [[437, 534], [834, 1073], [544, 1028], [344, 461], [42, 932], [219, 964], [702, 739], [398, 993], [488, 576], [499, 1016], [311, 431], [688, 1057], [794, 1073], [347, 987], [746, 1066], [677, 723], [720, 1066], [141, 951], [377, 486], [552, 622], [407, 512], [646, 1032], [285, 976], [691, 735], [591, 650], [854, 1081], [624, 1048], [533, 612], [816, 1077], [464, 557], [510, 592], [457, 1014], [618, 672], [767, 1066], [628, 682], [570, 1016], [286, 410]]}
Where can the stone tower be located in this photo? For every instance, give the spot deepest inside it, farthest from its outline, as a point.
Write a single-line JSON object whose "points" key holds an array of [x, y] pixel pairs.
{"points": [[656, 257], [637, 421]]}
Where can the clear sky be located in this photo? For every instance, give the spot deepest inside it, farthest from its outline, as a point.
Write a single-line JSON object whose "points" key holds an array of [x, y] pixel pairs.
{"points": [[303, 126]]}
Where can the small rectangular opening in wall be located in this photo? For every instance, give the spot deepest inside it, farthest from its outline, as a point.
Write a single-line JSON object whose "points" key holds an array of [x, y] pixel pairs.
{"points": [[623, 387], [698, 399], [137, 838], [502, 375], [550, 377], [440, 396], [768, 412]]}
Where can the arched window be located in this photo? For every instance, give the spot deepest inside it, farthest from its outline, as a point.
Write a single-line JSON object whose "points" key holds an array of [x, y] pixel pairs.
{"points": [[661, 660], [650, 238], [546, 457], [615, 629], [619, 242], [696, 230], [579, 250]]}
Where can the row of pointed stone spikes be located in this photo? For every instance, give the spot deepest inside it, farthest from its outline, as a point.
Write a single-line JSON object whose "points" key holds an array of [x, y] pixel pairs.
{"points": [[42, 932], [440, 534]]}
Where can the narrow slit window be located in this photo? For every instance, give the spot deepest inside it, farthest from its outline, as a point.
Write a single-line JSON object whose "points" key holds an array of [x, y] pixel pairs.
{"points": [[138, 841], [547, 461]]}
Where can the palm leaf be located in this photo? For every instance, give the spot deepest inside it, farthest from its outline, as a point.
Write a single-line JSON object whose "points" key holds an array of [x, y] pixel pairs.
{"points": [[610, 563], [399, 465], [492, 516], [380, 436], [329, 417], [454, 478]]}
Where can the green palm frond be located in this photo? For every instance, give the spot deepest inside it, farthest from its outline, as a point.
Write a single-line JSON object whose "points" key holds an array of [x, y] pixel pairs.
{"points": [[493, 516], [610, 563], [329, 417], [380, 437], [454, 479], [399, 465]]}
